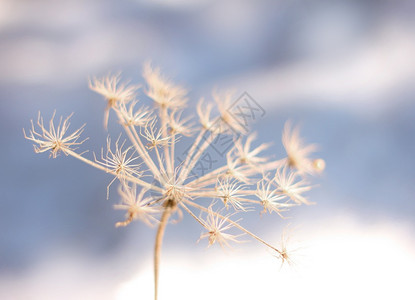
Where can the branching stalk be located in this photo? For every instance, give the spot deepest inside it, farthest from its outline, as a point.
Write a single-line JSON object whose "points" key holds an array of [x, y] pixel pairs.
{"points": [[128, 178], [157, 248]]}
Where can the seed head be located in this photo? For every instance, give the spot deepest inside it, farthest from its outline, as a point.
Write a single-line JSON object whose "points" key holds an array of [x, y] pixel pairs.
{"points": [[154, 136], [132, 117], [297, 153], [179, 125], [216, 227], [212, 125], [230, 192], [121, 161], [54, 139], [290, 183], [171, 184], [229, 121], [113, 91], [235, 170], [136, 206], [248, 156], [162, 91], [271, 199]]}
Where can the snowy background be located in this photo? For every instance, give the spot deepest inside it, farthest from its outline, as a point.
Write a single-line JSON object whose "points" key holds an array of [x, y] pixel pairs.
{"points": [[345, 70]]}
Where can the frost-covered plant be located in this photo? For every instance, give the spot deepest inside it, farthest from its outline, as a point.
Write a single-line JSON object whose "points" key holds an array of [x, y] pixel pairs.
{"points": [[155, 185]]}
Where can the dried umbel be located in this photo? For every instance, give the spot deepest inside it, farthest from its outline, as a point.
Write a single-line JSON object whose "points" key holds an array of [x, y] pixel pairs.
{"points": [[155, 184]]}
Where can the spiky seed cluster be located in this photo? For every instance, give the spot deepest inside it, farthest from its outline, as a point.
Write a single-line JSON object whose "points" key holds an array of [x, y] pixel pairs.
{"points": [[154, 136], [247, 156], [217, 229], [136, 206], [163, 92], [121, 161], [113, 91], [298, 154], [248, 177], [229, 123], [55, 139], [291, 185], [231, 193], [271, 199], [205, 119], [134, 117]]}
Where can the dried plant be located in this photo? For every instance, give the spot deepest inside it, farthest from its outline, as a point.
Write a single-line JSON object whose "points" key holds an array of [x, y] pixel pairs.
{"points": [[247, 179]]}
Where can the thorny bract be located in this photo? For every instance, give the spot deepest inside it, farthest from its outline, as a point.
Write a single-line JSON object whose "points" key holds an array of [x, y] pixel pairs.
{"points": [[247, 179]]}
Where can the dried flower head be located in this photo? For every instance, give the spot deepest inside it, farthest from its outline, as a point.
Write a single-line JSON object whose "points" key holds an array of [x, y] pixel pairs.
{"points": [[271, 199], [229, 121], [154, 136], [113, 91], [55, 138], [298, 153], [216, 225], [248, 156], [136, 206], [162, 91], [235, 169], [231, 193], [179, 125], [134, 117], [172, 185], [121, 161], [208, 123], [290, 183]]}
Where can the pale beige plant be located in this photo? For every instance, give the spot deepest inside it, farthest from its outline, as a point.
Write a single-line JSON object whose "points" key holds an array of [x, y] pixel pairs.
{"points": [[120, 161], [272, 200], [216, 227], [113, 91], [137, 206], [298, 154], [169, 185], [54, 139], [292, 185]]}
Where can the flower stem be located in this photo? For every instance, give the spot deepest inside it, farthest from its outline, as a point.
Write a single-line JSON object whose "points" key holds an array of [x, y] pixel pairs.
{"points": [[128, 178], [157, 248]]}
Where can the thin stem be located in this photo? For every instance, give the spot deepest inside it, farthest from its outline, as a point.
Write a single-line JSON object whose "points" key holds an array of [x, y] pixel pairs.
{"points": [[157, 248], [144, 151], [214, 194], [211, 177], [193, 215], [129, 178], [164, 120], [196, 157], [172, 147], [208, 176], [161, 165], [106, 115], [132, 134], [191, 152]]}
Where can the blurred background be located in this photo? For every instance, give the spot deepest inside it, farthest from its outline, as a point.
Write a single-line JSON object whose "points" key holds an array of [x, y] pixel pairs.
{"points": [[344, 70]]}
